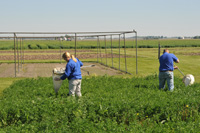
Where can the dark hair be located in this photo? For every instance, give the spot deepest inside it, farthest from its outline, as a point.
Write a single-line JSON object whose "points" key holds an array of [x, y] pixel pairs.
{"points": [[165, 50]]}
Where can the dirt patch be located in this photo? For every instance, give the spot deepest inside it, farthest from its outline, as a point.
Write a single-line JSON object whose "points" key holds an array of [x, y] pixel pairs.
{"points": [[45, 70], [57, 56], [45, 51]]}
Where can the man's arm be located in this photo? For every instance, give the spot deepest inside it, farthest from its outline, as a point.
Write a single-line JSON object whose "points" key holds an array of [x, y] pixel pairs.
{"points": [[67, 72], [177, 61], [81, 64]]}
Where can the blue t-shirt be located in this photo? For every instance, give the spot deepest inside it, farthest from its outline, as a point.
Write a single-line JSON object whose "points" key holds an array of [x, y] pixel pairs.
{"points": [[73, 70], [166, 62]]}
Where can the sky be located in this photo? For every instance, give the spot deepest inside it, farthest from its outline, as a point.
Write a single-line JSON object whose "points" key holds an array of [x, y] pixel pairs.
{"points": [[148, 17]]}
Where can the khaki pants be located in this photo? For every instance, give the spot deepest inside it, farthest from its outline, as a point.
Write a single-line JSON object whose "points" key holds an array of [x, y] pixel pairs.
{"points": [[75, 87]]}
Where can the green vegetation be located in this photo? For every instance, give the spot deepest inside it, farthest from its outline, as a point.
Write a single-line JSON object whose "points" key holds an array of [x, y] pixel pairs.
{"points": [[91, 44], [6, 82], [108, 104], [148, 62]]}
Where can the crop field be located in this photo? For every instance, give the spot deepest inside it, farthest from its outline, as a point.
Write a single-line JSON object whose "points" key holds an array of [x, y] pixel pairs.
{"points": [[109, 104], [91, 44], [119, 103]]}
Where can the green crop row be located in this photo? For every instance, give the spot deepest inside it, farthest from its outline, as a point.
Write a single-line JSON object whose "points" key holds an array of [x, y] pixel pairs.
{"points": [[92, 44], [108, 104]]}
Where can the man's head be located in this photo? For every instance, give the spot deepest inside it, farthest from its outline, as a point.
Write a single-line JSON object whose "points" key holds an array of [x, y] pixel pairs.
{"points": [[66, 56], [165, 50]]}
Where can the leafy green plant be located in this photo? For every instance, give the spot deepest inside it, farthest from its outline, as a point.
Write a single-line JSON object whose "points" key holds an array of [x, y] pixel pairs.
{"points": [[92, 44], [109, 104]]}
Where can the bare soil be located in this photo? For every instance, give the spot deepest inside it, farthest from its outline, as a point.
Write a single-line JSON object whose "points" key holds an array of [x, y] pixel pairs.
{"points": [[45, 70], [53, 54], [45, 51], [57, 56]]}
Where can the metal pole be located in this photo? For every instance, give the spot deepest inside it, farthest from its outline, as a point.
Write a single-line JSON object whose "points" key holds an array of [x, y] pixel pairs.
{"points": [[15, 52], [181, 72], [100, 50], [119, 52], [159, 50], [75, 44], [97, 48], [18, 54], [111, 50], [23, 49], [105, 49], [60, 50], [136, 53], [125, 52]]}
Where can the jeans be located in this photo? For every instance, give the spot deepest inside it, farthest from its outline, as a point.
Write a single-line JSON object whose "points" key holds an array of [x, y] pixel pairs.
{"points": [[169, 76], [75, 87]]}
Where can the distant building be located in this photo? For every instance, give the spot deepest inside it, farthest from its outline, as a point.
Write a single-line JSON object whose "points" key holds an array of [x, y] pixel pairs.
{"points": [[181, 37]]}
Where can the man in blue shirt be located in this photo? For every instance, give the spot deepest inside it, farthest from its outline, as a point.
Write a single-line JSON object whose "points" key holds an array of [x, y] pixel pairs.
{"points": [[73, 74], [166, 69]]}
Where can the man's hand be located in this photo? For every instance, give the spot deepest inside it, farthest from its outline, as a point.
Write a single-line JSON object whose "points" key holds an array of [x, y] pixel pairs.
{"points": [[57, 79], [175, 67]]}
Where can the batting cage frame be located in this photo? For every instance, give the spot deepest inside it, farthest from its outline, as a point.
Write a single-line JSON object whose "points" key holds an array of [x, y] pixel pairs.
{"points": [[102, 38]]}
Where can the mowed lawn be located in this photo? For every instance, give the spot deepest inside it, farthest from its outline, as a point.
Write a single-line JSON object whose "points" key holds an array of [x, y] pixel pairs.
{"points": [[148, 62]]}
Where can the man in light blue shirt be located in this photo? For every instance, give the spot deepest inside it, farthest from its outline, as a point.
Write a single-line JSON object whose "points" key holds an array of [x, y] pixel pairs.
{"points": [[166, 69]]}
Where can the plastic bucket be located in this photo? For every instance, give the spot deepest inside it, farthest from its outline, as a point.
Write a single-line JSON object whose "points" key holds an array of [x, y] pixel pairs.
{"points": [[188, 79], [57, 72]]}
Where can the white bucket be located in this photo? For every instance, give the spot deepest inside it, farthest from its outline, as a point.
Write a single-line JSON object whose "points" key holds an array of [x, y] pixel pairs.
{"points": [[188, 79], [57, 72]]}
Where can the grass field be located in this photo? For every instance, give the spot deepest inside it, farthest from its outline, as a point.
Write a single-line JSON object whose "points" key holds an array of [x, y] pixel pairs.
{"points": [[188, 51], [142, 108], [91, 44]]}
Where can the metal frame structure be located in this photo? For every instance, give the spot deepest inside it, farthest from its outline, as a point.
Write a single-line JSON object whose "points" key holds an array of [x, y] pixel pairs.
{"points": [[18, 37]]}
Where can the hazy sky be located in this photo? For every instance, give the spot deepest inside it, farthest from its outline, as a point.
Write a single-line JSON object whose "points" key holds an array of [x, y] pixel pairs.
{"points": [[147, 17]]}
